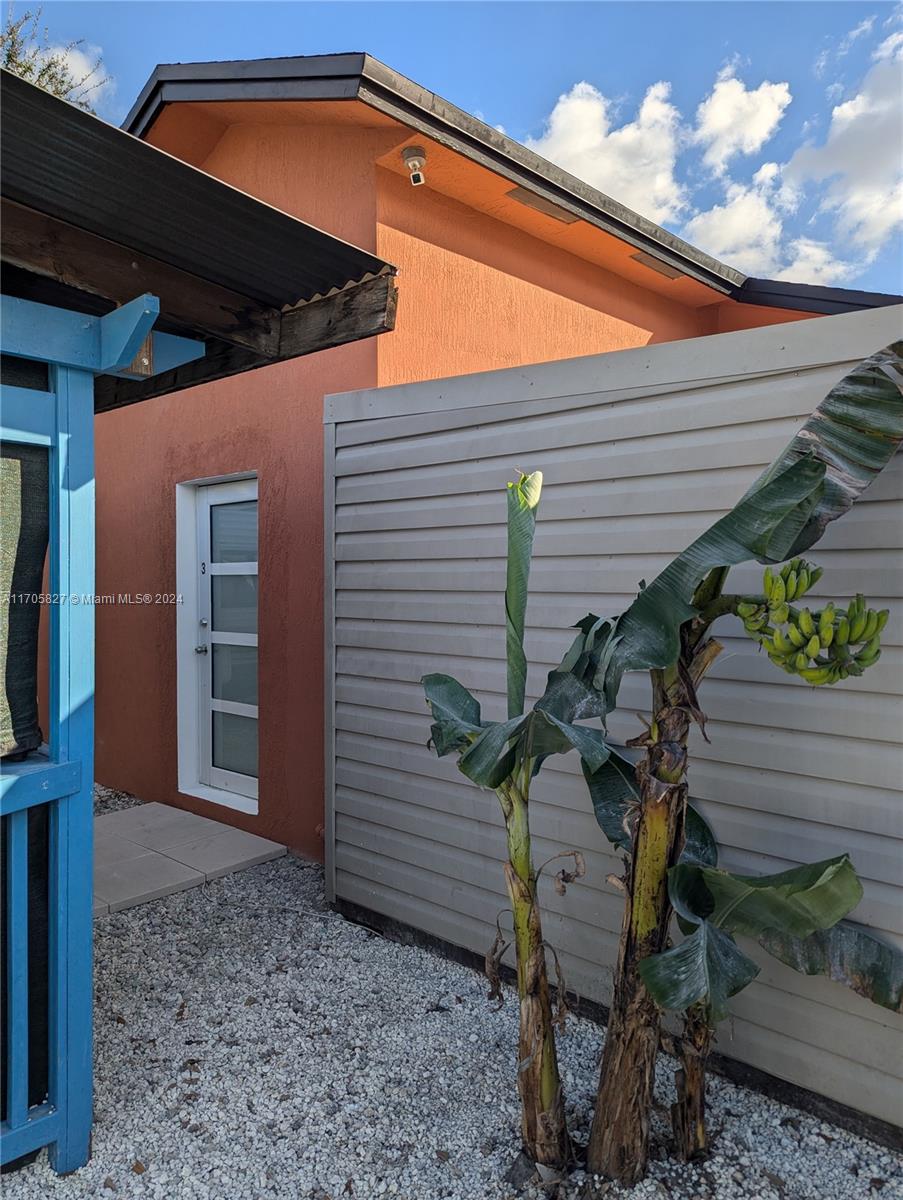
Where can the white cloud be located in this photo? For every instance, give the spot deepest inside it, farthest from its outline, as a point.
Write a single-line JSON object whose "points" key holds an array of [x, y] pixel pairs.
{"points": [[99, 87], [844, 46], [863, 28], [891, 47], [634, 163], [734, 119], [812, 261], [820, 218], [858, 169], [745, 231], [748, 232], [821, 63]]}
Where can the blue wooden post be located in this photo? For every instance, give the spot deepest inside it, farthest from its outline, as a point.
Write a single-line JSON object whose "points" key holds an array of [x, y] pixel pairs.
{"points": [[72, 740], [77, 347]]}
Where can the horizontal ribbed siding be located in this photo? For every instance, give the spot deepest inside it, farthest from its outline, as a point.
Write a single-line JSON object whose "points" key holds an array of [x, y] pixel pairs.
{"points": [[641, 451]]}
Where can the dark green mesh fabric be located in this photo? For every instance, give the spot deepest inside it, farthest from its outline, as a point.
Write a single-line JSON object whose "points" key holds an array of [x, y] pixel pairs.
{"points": [[24, 510]]}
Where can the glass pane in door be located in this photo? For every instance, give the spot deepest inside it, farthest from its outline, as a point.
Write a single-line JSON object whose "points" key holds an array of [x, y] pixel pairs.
{"points": [[235, 743], [235, 673], [233, 602], [233, 532]]}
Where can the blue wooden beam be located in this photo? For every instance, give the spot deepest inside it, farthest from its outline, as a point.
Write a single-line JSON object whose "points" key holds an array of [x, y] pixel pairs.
{"points": [[167, 352], [37, 780], [123, 330], [101, 345]]}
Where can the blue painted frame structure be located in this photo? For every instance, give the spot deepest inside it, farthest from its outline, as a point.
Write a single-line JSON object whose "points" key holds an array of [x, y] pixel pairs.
{"points": [[77, 347]]}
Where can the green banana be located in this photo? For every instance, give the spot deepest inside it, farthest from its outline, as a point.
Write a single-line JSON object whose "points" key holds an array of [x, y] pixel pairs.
{"points": [[813, 646], [882, 618], [796, 635], [747, 608], [865, 661], [802, 583], [870, 648], [805, 622], [782, 644], [871, 626], [768, 583], [778, 592], [817, 675], [791, 585], [857, 626], [843, 632]]}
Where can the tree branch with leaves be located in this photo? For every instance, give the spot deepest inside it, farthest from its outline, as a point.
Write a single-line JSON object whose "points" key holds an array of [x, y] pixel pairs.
{"points": [[26, 49]]}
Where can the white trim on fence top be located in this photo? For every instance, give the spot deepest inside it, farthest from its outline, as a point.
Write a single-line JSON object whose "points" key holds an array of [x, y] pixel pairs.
{"points": [[721, 356]]}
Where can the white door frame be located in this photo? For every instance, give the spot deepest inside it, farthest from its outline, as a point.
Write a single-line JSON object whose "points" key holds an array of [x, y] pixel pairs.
{"points": [[197, 775]]}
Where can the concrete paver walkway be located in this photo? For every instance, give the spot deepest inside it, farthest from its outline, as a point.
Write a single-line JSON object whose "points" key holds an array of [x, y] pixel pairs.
{"points": [[152, 850]]}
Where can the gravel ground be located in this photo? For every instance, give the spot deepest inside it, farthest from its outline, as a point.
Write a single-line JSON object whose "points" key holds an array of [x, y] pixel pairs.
{"points": [[107, 800], [251, 1044]]}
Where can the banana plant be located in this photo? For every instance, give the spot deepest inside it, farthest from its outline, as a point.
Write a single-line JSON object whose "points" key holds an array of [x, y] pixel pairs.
{"points": [[505, 756], [796, 916], [643, 807]]}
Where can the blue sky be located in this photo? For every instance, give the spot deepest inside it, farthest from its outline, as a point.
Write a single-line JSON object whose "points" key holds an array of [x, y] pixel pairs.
{"points": [[766, 133]]}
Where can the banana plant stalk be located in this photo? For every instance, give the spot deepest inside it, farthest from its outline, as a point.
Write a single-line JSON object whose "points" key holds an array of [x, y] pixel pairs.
{"points": [[619, 1137], [543, 1128], [486, 759], [543, 1125]]}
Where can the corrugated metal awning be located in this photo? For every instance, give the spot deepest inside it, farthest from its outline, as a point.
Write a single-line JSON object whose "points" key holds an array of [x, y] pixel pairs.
{"points": [[67, 163], [92, 217]]}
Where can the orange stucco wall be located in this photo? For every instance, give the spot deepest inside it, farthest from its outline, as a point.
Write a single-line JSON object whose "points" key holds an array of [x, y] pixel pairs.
{"points": [[505, 299], [474, 294], [269, 421]]}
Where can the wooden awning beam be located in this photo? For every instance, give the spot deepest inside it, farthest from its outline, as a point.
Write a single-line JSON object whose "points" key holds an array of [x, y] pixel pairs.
{"points": [[108, 345], [71, 256], [360, 311]]}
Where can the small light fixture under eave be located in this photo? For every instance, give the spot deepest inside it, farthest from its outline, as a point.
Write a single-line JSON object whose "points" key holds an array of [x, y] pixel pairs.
{"points": [[655, 264], [524, 196]]}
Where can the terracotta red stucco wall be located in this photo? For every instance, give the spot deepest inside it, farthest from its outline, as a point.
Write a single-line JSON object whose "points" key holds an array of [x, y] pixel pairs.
{"points": [[268, 421], [474, 294]]}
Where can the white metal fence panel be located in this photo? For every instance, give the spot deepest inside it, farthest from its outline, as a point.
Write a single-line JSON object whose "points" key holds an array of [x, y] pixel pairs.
{"points": [[641, 450]]}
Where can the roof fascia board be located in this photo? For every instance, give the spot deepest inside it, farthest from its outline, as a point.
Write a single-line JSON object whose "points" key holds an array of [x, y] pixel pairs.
{"points": [[814, 298], [360, 76], [400, 97], [339, 75]]}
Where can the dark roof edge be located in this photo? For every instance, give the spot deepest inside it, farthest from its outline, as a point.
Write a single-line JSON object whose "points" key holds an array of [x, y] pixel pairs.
{"points": [[360, 76], [808, 297], [150, 99]]}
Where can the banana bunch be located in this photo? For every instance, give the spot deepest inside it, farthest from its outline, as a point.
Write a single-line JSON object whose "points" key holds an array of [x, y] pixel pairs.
{"points": [[822, 647], [793, 581]]}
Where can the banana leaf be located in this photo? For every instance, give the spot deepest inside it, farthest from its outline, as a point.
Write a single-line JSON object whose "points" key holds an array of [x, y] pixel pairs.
{"points": [[846, 954], [700, 847], [523, 498], [614, 793], [707, 967], [855, 432], [765, 523], [841, 449], [798, 901], [456, 713], [488, 760]]}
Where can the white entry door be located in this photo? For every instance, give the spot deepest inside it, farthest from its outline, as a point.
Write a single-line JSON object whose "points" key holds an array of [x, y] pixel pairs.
{"points": [[226, 646]]}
